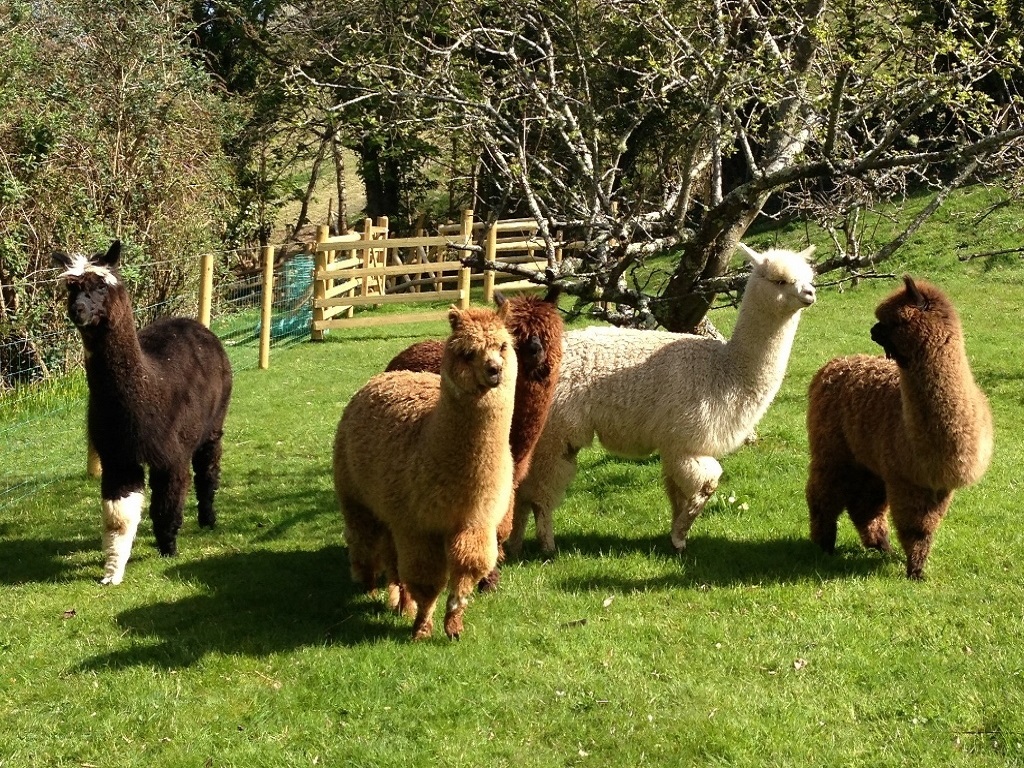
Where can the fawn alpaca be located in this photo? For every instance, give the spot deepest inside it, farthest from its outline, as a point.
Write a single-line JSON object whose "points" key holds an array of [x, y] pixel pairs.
{"points": [[423, 470]]}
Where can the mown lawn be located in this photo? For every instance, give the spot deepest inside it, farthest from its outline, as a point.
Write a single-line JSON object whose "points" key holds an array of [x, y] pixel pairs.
{"points": [[252, 648]]}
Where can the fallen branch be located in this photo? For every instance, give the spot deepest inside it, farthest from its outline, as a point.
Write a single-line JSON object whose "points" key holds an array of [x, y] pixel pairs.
{"points": [[986, 254]]}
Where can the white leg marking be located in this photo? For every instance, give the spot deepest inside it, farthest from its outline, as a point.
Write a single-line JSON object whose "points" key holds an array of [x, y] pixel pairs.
{"points": [[455, 602], [120, 521]]}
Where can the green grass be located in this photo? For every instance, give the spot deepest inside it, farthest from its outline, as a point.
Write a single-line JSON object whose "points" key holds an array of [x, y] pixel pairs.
{"points": [[252, 648]]}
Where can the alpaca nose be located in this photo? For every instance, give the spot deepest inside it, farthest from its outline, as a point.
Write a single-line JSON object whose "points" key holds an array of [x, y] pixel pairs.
{"points": [[808, 295], [493, 373]]}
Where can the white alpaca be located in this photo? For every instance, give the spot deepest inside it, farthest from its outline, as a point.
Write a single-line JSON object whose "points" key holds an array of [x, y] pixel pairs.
{"points": [[688, 398]]}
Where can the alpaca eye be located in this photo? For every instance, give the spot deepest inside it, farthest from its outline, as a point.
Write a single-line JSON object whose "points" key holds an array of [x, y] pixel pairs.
{"points": [[466, 357], [504, 347], [781, 283]]}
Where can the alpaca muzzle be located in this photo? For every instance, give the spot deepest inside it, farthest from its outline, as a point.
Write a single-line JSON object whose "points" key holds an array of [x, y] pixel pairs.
{"points": [[492, 375], [881, 335], [86, 309]]}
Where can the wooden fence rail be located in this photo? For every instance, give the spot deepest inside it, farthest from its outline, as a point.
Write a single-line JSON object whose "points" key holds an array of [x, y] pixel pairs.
{"points": [[360, 269]]}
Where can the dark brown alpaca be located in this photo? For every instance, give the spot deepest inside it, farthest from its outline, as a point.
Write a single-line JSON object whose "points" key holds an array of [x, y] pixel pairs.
{"points": [[536, 329], [157, 397], [900, 432]]}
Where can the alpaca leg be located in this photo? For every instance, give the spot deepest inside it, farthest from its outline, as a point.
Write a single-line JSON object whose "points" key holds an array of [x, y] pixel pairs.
{"points": [[916, 514], [556, 479], [206, 466], [867, 505], [363, 536], [490, 582], [551, 472], [122, 510], [398, 597], [835, 487], [422, 569], [472, 553], [689, 483], [520, 518], [169, 489], [825, 505]]}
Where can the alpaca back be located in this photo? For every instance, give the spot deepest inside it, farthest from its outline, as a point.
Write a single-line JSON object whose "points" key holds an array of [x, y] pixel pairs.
{"points": [[645, 391], [628, 386], [916, 414]]}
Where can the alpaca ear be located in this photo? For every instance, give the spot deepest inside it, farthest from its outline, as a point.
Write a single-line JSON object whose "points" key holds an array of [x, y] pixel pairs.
{"points": [[504, 309], [915, 293], [454, 317], [752, 256], [61, 259], [499, 298], [551, 297], [807, 252], [112, 257]]}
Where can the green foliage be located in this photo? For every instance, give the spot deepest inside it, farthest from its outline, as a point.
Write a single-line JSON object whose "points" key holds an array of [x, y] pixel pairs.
{"points": [[108, 130]]}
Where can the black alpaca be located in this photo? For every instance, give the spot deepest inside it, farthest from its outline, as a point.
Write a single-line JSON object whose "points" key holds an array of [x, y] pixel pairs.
{"points": [[157, 397]]}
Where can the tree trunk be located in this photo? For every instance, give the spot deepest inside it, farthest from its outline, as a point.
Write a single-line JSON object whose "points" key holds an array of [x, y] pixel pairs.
{"points": [[314, 175], [339, 178], [682, 306], [383, 195]]}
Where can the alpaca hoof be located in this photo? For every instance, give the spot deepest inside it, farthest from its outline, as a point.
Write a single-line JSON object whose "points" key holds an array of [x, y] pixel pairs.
{"points": [[882, 546], [169, 550], [453, 627], [915, 574], [107, 581], [489, 583], [422, 631]]}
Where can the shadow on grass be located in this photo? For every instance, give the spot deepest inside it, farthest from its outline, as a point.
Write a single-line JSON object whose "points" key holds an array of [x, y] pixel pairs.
{"points": [[716, 561], [257, 603], [24, 561]]}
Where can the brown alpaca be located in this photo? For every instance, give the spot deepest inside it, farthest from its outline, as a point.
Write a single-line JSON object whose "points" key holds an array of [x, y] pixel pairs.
{"points": [[423, 469], [536, 328], [899, 432]]}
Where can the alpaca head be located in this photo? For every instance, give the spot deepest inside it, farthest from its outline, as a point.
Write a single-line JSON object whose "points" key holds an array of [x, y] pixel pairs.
{"points": [[93, 286], [915, 318], [479, 354], [781, 278], [536, 328]]}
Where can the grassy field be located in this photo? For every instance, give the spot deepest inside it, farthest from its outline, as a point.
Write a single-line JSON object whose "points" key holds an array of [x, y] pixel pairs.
{"points": [[252, 648]]}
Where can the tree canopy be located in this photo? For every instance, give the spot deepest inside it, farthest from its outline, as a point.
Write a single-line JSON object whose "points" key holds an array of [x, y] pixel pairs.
{"points": [[659, 128], [663, 126]]}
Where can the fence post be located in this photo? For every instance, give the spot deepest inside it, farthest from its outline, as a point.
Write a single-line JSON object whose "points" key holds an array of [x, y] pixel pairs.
{"points": [[464, 275], [364, 288], [490, 254], [266, 305], [93, 466], [205, 288], [466, 232], [319, 283]]}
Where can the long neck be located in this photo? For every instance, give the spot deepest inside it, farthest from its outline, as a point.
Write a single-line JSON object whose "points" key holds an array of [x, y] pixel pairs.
{"points": [[944, 408], [760, 345], [113, 356], [482, 423]]}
